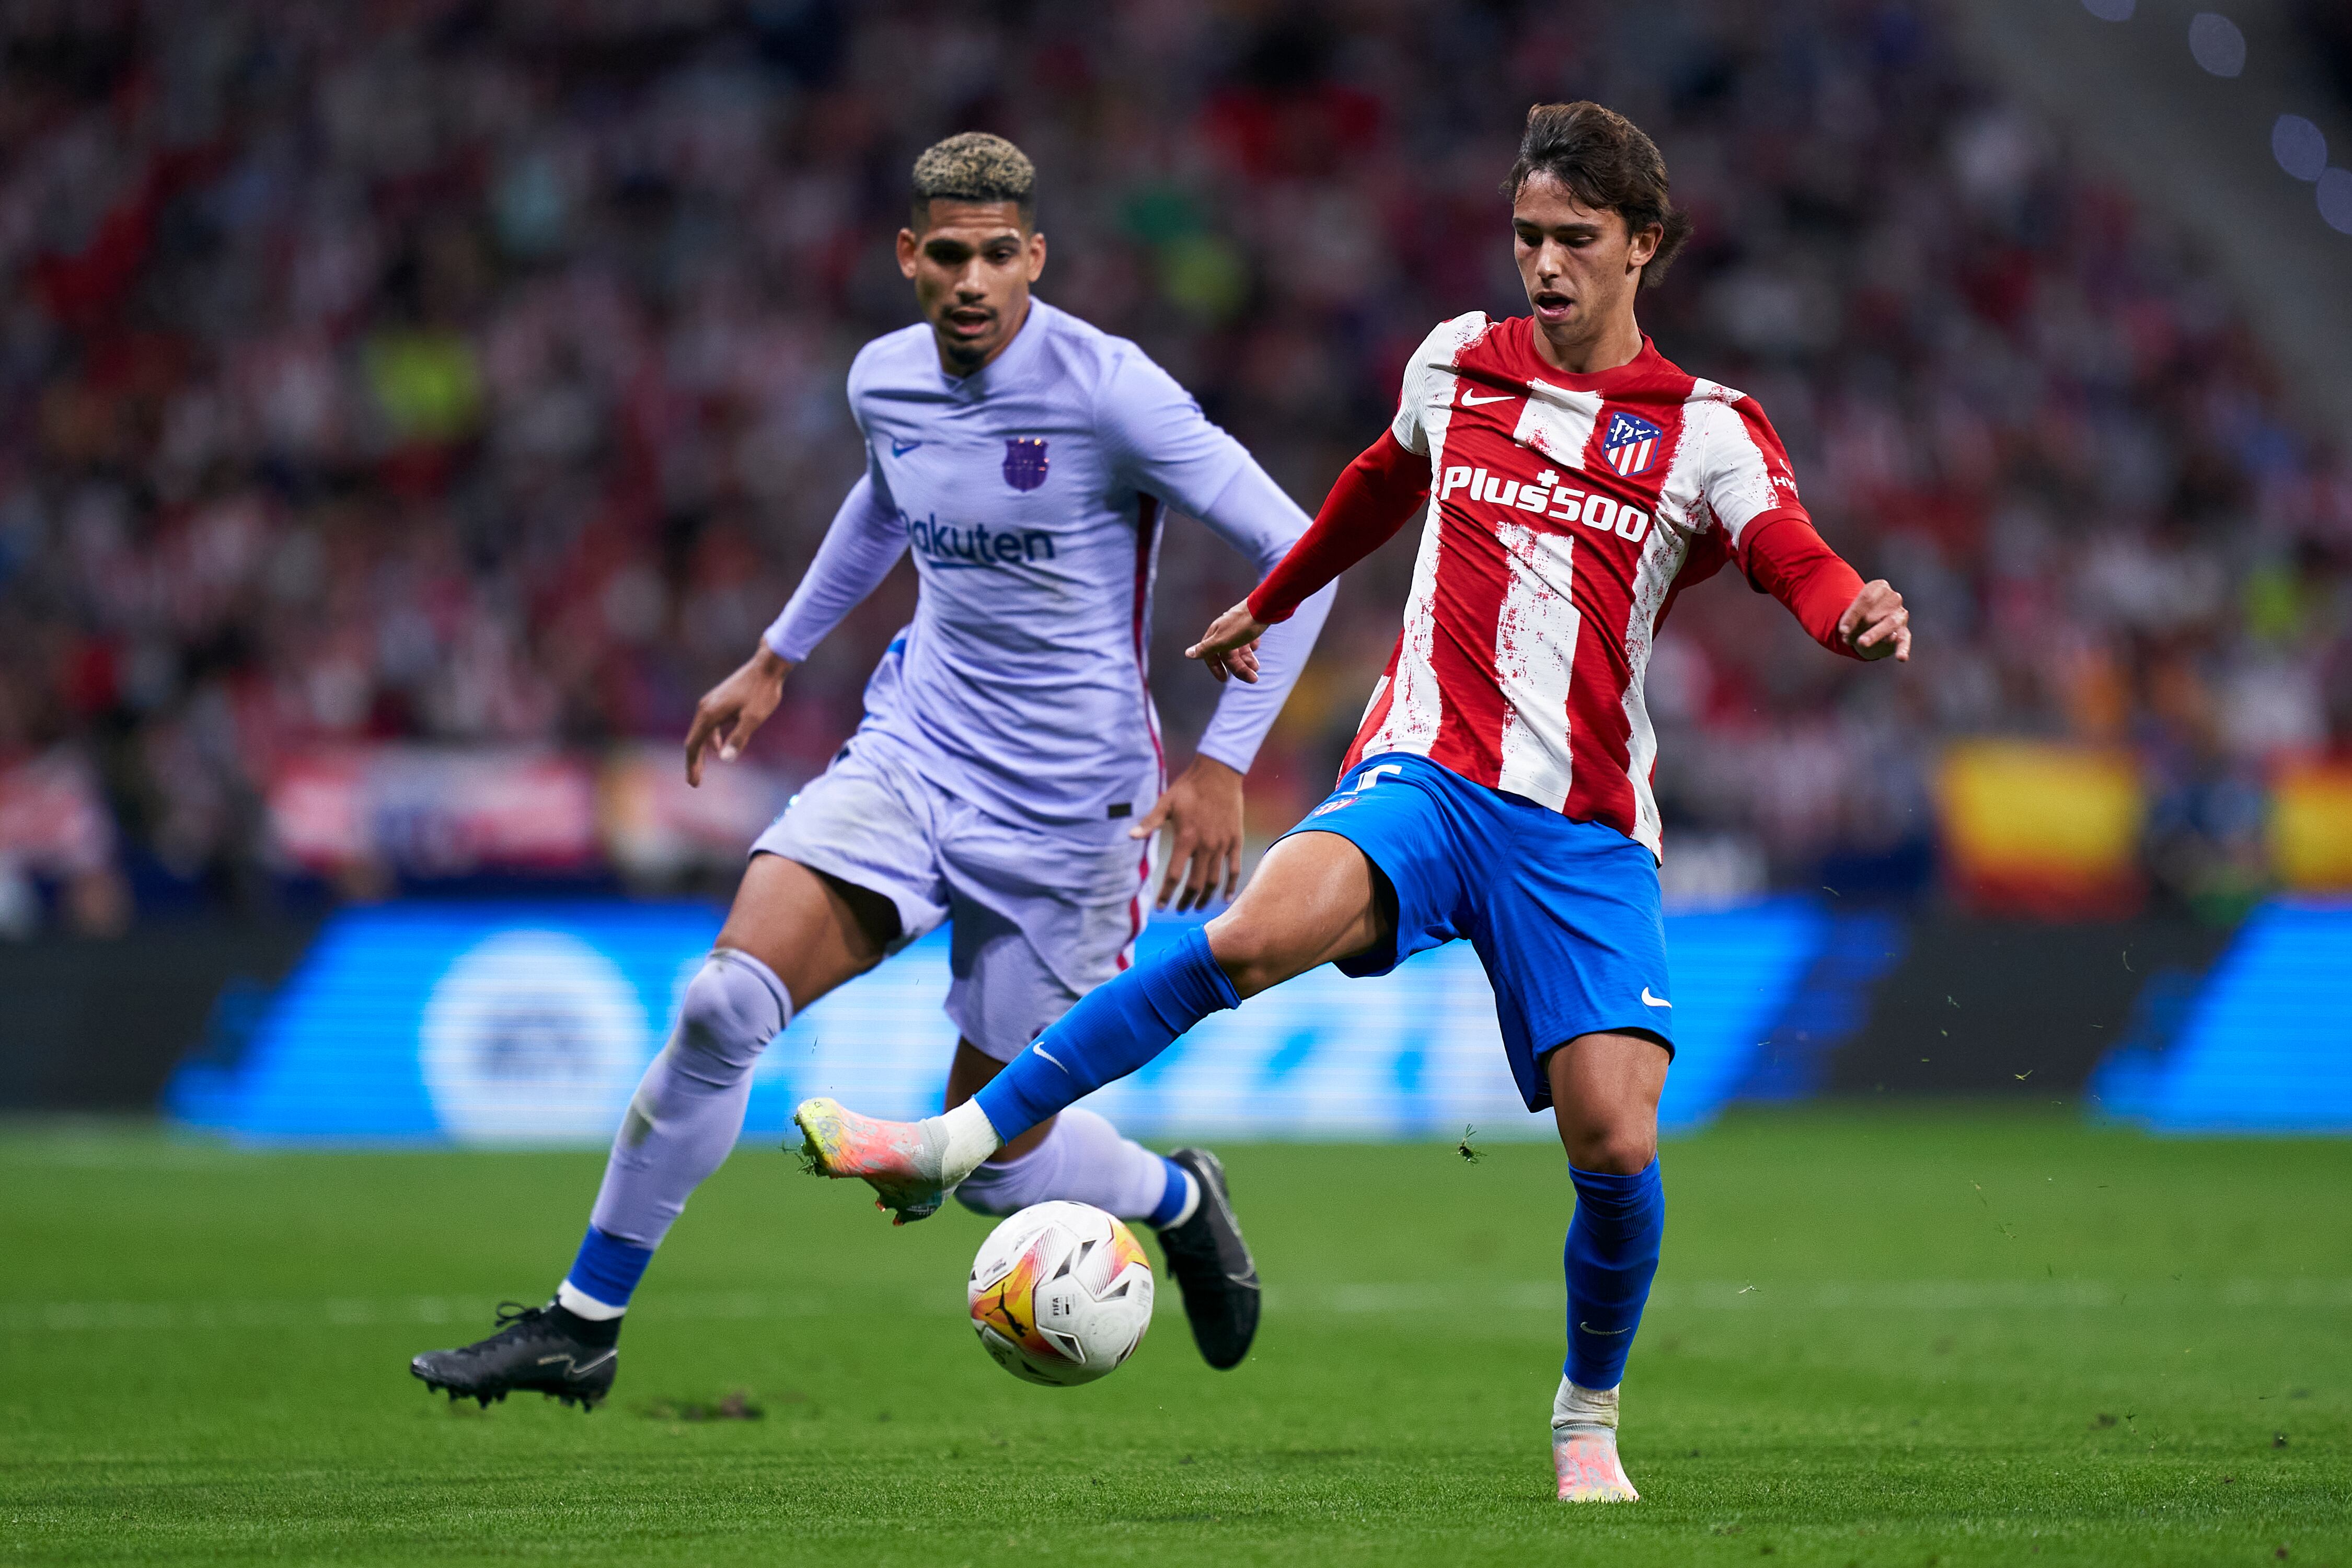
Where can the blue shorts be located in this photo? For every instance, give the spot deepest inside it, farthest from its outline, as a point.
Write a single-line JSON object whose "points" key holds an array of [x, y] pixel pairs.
{"points": [[1564, 915]]}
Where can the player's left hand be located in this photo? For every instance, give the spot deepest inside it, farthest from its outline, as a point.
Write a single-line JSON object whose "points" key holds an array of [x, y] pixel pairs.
{"points": [[1204, 806], [1876, 623]]}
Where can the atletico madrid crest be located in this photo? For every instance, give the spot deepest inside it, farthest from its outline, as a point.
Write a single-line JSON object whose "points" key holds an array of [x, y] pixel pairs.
{"points": [[1024, 462], [1632, 445]]}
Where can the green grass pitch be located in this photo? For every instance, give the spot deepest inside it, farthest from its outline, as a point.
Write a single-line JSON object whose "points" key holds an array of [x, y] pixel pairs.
{"points": [[1910, 1337]]}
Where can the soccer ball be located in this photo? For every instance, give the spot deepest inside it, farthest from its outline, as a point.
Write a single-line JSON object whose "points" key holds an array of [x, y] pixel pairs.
{"points": [[1060, 1293]]}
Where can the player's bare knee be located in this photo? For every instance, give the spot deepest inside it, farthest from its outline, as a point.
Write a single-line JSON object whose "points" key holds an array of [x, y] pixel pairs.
{"points": [[1627, 1154], [1608, 1146]]}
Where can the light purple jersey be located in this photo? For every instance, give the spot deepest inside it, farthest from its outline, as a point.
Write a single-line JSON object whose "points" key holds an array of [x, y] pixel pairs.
{"points": [[1033, 495]]}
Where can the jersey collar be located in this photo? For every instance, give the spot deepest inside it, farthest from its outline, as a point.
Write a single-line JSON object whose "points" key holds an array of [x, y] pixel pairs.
{"points": [[1642, 367]]}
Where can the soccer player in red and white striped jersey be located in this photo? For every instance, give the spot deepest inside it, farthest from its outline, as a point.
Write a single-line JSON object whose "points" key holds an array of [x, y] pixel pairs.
{"points": [[1499, 787], [1571, 507]]}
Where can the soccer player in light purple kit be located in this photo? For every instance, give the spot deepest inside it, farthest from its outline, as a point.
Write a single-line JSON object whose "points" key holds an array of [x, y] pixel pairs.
{"points": [[1007, 776]]}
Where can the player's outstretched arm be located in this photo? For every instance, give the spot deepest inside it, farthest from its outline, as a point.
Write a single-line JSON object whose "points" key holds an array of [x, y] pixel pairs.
{"points": [[864, 542], [1371, 498], [730, 710], [1369, 502], [1258, 518], [1786, 558]]}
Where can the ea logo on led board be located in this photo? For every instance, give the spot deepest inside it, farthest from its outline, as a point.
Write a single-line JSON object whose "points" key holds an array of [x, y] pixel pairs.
{"points": [[531, 1037]]}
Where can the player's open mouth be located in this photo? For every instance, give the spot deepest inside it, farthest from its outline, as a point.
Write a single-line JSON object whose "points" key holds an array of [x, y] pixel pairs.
{"points": [[1553, 306], [970, 323]]}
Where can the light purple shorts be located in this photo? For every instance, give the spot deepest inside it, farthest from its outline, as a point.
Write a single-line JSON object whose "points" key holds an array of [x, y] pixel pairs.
{"points": [[1039, 918]]}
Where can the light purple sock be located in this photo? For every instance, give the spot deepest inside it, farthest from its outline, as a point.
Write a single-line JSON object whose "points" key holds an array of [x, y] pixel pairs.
{"points": [[689, 1109], [1083, 1160]]}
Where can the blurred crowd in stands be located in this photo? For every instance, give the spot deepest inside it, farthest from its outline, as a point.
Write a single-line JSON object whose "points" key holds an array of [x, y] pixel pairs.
{"points": [[470, 372]]}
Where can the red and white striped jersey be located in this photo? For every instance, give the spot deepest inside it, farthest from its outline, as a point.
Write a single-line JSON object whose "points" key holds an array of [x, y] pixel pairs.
{"points": [[1565, 512]]}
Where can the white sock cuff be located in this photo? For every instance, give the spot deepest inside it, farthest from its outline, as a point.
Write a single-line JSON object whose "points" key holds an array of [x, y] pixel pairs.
{"points": [[969, 1140], [1576, 1406], [580, 1304], [1048, 1147]]}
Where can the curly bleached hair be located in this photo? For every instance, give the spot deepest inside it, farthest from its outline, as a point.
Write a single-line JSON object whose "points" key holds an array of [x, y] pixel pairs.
{"points": [[976, 167]]}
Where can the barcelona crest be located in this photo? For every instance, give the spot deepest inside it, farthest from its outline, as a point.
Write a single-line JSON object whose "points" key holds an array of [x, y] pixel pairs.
{"points": [[1024, 462], [1632, 445]]}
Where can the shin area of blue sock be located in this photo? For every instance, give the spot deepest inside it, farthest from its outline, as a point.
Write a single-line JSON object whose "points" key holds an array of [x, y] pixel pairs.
{"points": [[1611, 1256], [1114, 1029]]}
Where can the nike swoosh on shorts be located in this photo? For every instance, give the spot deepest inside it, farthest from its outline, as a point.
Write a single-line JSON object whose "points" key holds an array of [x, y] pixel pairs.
{"points": [[1650, 1001]]}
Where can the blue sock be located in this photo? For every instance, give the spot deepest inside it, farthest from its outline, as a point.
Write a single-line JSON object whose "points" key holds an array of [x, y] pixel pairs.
{"points": [[608, 1268], [1172, 1197], [1114, 1029], [1610, 1256]]}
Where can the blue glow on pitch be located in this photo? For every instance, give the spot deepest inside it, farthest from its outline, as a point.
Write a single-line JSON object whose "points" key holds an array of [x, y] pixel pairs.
{"points": [[2264, 1045], [530, 1024]]}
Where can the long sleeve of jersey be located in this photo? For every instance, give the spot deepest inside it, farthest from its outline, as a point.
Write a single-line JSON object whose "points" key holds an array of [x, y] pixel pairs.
{"points": [[1167, 448], [1745, 478], [1371, 498], [865, 542], [1785, 558], [1254, 517]]}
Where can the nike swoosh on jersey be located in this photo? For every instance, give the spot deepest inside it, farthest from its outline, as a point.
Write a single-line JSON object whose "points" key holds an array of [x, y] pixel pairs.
{"points": [[1472, 400], [900, 448], [1650, 1001]]}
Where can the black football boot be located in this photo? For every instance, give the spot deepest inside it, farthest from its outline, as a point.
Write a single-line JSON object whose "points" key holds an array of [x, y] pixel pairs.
{"points": [[1212, 1266], [547, 1349]]}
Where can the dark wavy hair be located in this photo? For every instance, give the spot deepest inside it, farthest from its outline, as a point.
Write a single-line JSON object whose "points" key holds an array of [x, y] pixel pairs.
{"points": [[1607, 164]]}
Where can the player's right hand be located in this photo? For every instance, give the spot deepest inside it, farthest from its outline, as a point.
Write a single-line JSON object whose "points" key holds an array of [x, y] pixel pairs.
{"points": [[1230, 645], [730, 710]]}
